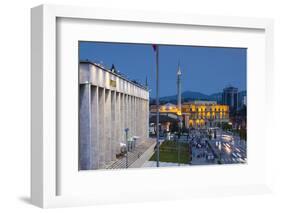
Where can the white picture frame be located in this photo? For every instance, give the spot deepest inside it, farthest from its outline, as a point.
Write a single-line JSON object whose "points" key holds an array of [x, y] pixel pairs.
{"points": [[45, 168]]}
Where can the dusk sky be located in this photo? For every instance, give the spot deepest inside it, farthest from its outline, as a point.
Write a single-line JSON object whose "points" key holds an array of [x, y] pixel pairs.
{"points": [[204, 69]]}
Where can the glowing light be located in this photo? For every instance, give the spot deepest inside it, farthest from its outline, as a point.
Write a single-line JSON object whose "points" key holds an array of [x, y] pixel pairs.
{"points": [[228, 150]]}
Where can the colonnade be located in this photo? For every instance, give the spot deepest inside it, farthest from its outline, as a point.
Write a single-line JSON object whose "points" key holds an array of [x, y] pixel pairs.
{"points": [[104, 114]]}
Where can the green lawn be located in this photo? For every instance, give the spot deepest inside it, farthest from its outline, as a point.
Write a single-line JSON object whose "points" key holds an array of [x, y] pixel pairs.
{"points": [[169, 153]]}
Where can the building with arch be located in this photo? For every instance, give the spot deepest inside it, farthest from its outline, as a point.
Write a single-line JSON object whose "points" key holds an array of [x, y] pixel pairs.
{"points": [[196, 114], [204, 114]]}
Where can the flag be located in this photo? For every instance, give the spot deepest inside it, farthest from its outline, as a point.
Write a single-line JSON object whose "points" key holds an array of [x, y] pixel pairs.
{"points": [[154, 46]]}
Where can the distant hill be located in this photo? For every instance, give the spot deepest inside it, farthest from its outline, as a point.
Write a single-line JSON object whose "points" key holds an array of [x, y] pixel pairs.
{"points": [[186, 96], [194, 95], [216, 97], [191, 96]]}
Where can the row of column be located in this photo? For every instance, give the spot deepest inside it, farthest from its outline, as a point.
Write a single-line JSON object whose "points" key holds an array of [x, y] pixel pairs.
{"points": [[104, 116], [205, 123], [216, 116]]}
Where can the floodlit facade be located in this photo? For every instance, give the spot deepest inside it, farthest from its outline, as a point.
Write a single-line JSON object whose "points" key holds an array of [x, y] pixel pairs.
{"points": [[197, 114], [204, 113], [109, 103]]}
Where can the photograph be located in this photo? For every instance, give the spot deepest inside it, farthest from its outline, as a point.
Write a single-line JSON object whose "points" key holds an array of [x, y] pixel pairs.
{"points": [[136, 105], [161, 105]]}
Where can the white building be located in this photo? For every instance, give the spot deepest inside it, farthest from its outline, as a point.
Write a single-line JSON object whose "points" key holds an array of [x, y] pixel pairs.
{"points": [[109, 103]]}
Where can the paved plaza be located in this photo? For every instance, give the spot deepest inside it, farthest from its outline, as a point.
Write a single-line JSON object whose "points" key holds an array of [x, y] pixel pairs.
{"points": [[138, 156]]}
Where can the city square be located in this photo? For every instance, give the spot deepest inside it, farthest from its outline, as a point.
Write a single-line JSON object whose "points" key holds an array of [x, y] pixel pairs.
{"points": [[124, 123]]}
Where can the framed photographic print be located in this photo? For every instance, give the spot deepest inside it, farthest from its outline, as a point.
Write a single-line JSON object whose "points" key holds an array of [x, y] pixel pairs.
{"points": [[134, 106], [118, 122]]}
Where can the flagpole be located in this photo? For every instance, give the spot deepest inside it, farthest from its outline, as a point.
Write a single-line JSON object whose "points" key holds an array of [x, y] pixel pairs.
{"points": [[157, 104]]}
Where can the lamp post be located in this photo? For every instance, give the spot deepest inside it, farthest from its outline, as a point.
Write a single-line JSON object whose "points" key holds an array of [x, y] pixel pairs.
{"points": [[219, 152], [156, 49], [127, 147], [179, 135]]}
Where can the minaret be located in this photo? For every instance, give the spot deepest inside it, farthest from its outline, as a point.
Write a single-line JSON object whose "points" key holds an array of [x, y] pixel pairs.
{"points": [[179, 94]]}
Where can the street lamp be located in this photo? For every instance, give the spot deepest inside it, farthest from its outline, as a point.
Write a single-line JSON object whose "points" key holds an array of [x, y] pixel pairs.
{"points": [[219, 146], [127, 147]]}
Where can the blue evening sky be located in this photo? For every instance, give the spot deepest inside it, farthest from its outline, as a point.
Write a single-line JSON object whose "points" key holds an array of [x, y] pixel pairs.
{"points": [[204, 69]]}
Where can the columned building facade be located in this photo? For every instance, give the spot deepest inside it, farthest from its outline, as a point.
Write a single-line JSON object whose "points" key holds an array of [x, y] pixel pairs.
{"points": [[108, 104], [200, 114], [196, 114]]}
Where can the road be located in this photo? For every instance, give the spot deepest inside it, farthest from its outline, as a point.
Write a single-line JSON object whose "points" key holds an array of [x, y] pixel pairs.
{"points": [[229, 148], [224, 148]]}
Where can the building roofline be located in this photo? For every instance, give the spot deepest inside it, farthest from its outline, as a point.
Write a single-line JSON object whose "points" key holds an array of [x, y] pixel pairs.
{"points": [[118, 75]]}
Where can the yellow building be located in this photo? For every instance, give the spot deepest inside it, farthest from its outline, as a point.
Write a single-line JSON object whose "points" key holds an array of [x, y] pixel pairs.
{"points": [[204, 113], [197, 114]]}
